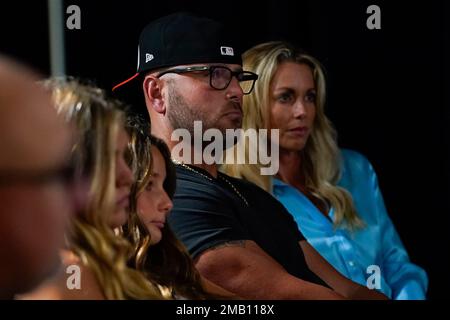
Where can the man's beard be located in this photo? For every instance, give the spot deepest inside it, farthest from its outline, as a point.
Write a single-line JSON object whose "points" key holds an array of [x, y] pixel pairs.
{"points": [[181, 115]]}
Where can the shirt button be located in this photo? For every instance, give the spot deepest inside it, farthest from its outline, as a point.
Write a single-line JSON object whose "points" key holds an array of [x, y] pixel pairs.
{"points": [[351, 263]]}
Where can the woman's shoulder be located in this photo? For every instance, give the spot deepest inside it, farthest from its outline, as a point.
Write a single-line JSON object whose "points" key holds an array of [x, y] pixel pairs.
{"points": [[355, 163], [353, 156], [80, 280], [357, 173]]}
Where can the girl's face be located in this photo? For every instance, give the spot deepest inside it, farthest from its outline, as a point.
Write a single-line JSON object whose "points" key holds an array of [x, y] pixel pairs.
{"points": [[293, 104], [153, 203], [124, 180]]}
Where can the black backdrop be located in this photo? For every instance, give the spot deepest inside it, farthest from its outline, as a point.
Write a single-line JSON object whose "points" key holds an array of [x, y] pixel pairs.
{"points": [[388, 89]]}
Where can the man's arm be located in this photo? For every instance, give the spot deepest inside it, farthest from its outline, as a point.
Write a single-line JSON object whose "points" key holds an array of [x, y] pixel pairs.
{"points": [[243, 268], [214, 289], [334, 279]]}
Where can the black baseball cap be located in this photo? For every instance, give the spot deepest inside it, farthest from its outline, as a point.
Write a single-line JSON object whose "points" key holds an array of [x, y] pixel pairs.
{"points": [[183, 38]]}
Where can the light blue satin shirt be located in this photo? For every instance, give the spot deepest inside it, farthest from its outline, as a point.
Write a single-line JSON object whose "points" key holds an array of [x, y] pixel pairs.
{"points": [[353, 253]]}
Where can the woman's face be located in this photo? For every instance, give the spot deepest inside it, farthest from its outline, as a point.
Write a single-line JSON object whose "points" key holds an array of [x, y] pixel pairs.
{"points": [[293, 104], [153, 203], [124, 180]]}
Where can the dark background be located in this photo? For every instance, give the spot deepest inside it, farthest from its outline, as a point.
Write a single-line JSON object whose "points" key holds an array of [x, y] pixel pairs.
{"points": [[388, 89]]}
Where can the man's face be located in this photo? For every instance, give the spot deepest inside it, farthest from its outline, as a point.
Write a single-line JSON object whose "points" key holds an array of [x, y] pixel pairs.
{"points": [[35, 195], [191, 98]]}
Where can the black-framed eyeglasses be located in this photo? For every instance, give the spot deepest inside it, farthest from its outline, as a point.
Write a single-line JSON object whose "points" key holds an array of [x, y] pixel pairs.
{"points": [[220, 76]]}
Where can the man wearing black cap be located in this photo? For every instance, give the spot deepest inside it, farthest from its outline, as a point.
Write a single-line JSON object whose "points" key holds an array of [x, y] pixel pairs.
{"points": [[240, 237]]}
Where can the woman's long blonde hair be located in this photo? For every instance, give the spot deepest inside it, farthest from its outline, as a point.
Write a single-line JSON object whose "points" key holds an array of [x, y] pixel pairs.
{"points": [[97, 121], [321, 159]]}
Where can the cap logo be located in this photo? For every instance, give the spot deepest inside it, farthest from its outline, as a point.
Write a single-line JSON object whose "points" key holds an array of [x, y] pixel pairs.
{"points": [[227, 51], [149, 57]]}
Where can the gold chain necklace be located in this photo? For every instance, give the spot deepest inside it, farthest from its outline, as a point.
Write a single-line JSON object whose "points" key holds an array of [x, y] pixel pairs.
{"points": [[212, 180]]}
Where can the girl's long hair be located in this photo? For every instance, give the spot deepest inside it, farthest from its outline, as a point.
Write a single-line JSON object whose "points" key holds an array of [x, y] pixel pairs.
{"points": [[168, 262], [97, 121]]}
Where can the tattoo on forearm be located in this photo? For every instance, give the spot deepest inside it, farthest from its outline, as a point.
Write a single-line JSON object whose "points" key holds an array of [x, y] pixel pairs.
{"points": [[234, 243]]}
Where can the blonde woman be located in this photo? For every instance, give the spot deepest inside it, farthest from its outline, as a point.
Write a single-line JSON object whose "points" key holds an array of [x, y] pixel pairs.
{"points": [[93, 247], [158, 253], [332, 194]]}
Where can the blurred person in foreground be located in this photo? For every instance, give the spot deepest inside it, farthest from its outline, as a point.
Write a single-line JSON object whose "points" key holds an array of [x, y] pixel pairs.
{"points": [[37, 190]]}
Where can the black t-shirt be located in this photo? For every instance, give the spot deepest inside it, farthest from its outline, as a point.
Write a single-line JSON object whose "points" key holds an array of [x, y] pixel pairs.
{"points": [[208, 212]]}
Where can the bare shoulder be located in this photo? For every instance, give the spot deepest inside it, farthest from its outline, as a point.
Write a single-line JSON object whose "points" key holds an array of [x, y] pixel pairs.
{"points": [[73, 281]]}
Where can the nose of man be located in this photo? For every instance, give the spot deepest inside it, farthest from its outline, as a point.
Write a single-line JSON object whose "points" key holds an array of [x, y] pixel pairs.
{"points": [[234, 91]]}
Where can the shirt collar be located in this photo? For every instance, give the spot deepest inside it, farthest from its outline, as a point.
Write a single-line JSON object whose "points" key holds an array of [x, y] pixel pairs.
{"points": [[278, 183]]}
